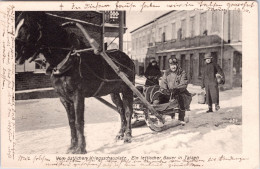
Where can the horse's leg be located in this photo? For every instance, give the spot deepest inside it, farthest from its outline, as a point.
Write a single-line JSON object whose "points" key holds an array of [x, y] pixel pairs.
{"points": [[128, 106], [120, 108], [79, 122], [71, 117]]}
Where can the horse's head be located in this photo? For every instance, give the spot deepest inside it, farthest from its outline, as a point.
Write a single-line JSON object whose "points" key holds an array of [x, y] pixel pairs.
{"points": [[28, 34]]}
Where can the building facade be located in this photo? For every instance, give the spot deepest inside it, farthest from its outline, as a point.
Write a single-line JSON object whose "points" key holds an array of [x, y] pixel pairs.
{"points": [[188, 36]]}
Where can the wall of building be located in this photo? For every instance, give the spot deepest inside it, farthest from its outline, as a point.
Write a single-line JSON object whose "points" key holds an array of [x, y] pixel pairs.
{"points": [[229, 31], [201, 32], [192, 66], [30, 80]]}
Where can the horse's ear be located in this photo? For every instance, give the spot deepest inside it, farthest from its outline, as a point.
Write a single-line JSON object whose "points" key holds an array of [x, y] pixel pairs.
{"points": [[31, 15], [17, 17]]}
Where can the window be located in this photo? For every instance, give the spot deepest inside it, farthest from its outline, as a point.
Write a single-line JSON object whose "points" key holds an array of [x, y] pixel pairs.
{"points": [[203, 23], [215, 21], [191, 66], [133, 44], [173, 31], [192, 26], [149, 38], [164, 33], [164, 28], [159, 61], [164, 62], [136, 43], [163, 37], [153, 36], [140, 43], [179, 33], [183, 62], [160, 34], [143, 41], [173, 56], [201, 63], [214, 56], [183, 28]]}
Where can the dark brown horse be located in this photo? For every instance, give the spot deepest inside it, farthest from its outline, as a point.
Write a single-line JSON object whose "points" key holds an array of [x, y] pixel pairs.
{"points": [[75, 76]]}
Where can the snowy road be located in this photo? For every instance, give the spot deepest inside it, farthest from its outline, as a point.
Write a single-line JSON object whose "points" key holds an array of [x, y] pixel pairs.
{"points": [[42, 128]]}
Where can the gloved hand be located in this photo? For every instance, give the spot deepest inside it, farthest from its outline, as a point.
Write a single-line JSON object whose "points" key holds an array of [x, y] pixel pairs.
{"points": [[154, 77], [175, 91], [165, 91]]}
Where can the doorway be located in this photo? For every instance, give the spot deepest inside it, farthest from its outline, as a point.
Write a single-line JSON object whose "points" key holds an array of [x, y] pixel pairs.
{"points": [[191, 68], [183, 63], [237, 69]]}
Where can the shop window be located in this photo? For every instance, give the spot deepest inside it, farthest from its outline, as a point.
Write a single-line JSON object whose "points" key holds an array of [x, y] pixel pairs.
{"points": [[191, 66], [201, 63], [164, 62], [183, 62], [159, 62], [214, 56]]}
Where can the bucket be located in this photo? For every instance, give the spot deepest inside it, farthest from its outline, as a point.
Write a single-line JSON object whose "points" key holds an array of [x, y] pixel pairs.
{"points": [[202, 98], [220, 79]]}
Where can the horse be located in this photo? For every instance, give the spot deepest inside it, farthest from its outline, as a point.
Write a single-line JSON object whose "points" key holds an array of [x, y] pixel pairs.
{"points": [[75, 76]]}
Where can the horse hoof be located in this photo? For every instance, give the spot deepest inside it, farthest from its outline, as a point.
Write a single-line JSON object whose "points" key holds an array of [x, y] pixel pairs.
{"points": [[127, 139], [119, 137], [80, 151], [71, 150]]}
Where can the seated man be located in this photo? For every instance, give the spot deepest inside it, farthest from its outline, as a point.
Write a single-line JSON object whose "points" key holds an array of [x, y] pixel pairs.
{"points": [[174, 86]]}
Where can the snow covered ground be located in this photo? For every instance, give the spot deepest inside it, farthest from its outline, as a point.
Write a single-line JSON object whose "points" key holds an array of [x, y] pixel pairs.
{"points": [[42, 128]]}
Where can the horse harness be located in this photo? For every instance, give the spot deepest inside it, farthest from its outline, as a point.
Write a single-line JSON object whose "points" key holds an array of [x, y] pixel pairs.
{"points": [[72, 57], [67, 63]]}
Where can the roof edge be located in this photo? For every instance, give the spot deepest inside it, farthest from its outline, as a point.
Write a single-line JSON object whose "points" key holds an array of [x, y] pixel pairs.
{"points": [[167, 13]]}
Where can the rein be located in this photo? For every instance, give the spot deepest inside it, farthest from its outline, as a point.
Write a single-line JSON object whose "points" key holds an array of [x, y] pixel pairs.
{"points": [[40, 47]]}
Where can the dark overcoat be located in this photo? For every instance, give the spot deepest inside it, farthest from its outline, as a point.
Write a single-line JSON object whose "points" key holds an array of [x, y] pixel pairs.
{"points": [[209, 81], [152, 73]]}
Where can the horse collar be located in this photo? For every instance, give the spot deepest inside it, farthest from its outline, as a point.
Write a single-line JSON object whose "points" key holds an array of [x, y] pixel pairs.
{"points": [[65, 65]]}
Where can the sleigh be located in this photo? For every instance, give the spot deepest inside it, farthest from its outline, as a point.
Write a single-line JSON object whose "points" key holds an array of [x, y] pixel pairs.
{"points": [[155, 116], [167, 110]]}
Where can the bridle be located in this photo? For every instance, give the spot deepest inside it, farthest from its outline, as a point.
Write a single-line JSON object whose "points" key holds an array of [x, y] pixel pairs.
{"points": [[39, 47]]}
